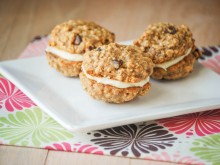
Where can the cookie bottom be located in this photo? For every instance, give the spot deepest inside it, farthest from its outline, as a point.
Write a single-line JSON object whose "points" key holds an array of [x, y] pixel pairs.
{"points": [[67, 68], [180, 70], [110, 93]]}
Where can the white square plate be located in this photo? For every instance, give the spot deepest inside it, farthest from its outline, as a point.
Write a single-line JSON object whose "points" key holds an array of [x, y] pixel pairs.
{"points": [[65, 100]]}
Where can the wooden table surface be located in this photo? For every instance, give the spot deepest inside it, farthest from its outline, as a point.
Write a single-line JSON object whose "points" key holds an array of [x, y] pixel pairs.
{"points": [[21, 20]]}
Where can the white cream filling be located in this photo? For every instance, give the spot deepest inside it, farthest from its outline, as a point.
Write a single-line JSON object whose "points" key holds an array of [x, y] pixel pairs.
{"points": [[167, 64], [115, 83], [64, 54]]}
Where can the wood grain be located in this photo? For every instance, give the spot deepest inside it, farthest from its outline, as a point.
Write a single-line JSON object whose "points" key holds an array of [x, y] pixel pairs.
{"points": [[150, 162], [10, 155], [24, 19], [57, 157], [21, 20]]}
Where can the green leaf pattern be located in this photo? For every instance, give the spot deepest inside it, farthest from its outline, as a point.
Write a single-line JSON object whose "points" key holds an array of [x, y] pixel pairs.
{"points": [[208, 148], [31, 125]]}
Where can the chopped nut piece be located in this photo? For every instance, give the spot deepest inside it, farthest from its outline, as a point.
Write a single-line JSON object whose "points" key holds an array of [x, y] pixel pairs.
{"points": [[78, 40], [171, 30], [117, 64], [90, 47], [99, 49]]}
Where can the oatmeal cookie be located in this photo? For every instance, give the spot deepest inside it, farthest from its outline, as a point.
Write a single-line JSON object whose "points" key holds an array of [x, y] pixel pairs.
{"points": [[178, 70], [66, 67], [116, 73], [171, 48], [70, 40]]}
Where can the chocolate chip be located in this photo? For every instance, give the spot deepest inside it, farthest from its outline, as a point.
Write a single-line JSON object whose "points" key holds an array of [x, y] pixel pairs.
{"points": [[146, 49], [170, 30], [117, 63], [197, 54], [90, 47], [78, 40], [99, 49], [106, 41], [196, 50], [112, 33]]}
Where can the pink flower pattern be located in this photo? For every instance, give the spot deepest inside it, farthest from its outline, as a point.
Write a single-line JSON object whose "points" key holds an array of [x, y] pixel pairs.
{"points": [[78, 147], [202, 123], [12, 98], [1, 104], [60, 147], [212, 64], [177, 158], [211, 58]]}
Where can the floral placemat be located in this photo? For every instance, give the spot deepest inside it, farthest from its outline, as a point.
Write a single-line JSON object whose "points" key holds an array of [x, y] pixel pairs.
{"points": [[189, 139]]}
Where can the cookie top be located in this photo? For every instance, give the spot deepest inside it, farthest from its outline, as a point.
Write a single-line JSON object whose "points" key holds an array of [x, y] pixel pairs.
{"points": [[118, 62], [77, 37], [165, 41]]}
